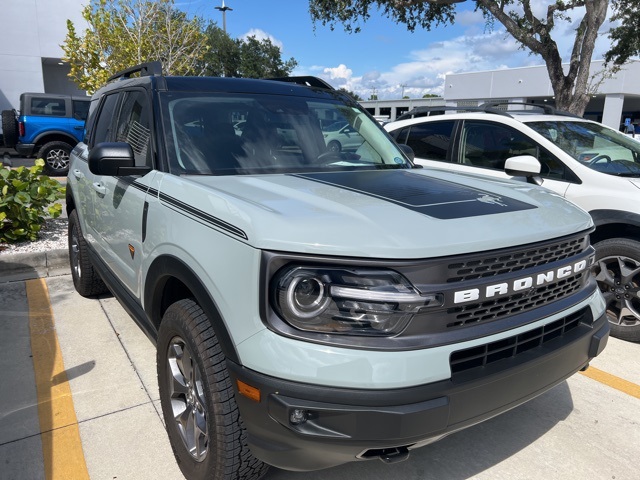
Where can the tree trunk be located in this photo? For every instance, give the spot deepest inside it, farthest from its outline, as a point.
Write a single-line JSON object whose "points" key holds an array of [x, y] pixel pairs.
{"points": [[570, 83]]}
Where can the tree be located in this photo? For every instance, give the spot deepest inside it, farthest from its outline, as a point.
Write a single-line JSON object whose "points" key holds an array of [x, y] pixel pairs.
{"points": [[249, 58], [625, 42], [430, 95], [261, 59], [571, 87], [353, 95], [223, 55], [123, 33]]}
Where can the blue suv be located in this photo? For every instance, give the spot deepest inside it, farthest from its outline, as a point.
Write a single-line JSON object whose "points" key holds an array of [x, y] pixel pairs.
{"points": [[48, 126]]}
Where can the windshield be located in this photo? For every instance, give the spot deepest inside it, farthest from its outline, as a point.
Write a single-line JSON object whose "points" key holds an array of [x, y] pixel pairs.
{"points": [[594, 145], [240, 134]]}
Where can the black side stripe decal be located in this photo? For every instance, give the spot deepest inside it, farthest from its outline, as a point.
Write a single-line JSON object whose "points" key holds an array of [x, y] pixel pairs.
{"points": [[201, 215]]}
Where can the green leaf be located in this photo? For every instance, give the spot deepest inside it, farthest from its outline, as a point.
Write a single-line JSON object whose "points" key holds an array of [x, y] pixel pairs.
{"points": [[23, 197]]}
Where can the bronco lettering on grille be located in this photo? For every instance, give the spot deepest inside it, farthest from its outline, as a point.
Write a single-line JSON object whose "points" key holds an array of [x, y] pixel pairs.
{"points": [[524, 283]]}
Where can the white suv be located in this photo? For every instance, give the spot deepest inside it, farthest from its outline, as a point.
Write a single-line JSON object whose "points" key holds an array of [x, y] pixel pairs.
{"points": [[592, 165]]}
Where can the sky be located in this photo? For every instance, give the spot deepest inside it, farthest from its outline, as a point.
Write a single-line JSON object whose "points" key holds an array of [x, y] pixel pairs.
{"points": [[384, 59]]}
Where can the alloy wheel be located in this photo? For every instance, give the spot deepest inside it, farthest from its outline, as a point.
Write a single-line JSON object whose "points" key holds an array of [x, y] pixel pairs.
{"points": [[187, 399], [619, 280]]}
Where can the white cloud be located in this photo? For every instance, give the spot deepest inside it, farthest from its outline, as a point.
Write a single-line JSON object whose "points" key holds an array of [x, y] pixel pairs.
{"points": [[340, 72], [476, 50], [261, 35]]}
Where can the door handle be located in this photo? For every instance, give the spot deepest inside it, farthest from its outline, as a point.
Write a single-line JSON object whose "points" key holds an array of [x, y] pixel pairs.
{"points": [[101, 189], [78, 174]]}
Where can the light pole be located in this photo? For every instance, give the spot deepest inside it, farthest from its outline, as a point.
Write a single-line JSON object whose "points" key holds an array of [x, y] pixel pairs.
{"points": [[224, 9]]}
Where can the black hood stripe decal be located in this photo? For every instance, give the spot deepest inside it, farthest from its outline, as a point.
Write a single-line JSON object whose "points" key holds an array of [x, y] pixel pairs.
{"points": [[430, 196]]}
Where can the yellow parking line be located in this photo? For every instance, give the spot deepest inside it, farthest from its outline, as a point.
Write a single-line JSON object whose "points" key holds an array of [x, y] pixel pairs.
{"points": [[612, 381], [61, 444]]}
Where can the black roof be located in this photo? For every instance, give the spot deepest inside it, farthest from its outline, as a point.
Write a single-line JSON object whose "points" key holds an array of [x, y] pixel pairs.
{"points": [[151, 75]]}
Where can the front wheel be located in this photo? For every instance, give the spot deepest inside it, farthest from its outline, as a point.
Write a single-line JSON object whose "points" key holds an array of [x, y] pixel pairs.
{"points": [[617, 271], [201, 416], [56, 158]]}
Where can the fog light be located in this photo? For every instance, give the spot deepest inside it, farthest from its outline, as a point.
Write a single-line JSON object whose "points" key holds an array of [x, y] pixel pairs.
{"points": [[298, 416]]}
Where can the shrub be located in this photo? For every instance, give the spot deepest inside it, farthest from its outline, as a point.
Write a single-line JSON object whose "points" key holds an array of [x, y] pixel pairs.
{"points": [[26, 198]]}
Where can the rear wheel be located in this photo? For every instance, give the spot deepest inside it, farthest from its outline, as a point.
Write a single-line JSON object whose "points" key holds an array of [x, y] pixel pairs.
{"points": [[617, 272], [85, 278], [56, 158], [10, 132], [201, 416]]}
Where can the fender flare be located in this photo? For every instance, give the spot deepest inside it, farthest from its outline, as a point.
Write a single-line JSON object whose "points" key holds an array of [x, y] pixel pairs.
{"points": [[70, 139], [167, 267], [604, 217]]}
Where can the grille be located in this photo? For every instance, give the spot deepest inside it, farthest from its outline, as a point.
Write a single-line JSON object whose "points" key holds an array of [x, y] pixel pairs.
{"points": [[501, 263], [513, 304], [511, 347]]}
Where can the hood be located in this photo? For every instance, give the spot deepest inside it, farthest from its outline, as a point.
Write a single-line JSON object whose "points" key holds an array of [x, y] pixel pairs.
{"points": [[414, 213]]}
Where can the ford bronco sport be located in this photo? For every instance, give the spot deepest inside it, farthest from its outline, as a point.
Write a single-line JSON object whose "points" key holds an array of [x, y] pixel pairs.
{"points": [[48, 126], [594, 166], [313, 307]]}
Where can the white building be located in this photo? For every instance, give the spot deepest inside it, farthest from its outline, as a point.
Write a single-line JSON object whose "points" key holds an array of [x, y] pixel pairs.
{"points": [[30, 53], [614, 100]]}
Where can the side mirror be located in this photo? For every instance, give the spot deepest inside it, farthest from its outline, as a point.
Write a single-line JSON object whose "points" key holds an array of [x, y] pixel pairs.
{"points": [[407, 150], [114, 159], [524, 166]]}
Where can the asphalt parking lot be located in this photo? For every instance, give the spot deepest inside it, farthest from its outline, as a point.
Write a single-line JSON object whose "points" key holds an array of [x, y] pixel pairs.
{"points": [[79, 400]]}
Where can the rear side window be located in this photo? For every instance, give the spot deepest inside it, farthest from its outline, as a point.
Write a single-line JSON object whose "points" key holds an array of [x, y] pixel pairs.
{"points": [[80, 109], [430, 140], [48, 106]]}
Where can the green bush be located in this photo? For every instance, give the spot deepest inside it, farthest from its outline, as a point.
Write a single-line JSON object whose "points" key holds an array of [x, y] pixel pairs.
{"points": [[26, 197]]}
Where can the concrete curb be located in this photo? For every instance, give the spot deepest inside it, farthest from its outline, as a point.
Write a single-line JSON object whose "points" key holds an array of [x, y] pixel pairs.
{"points": [[24, 266]]}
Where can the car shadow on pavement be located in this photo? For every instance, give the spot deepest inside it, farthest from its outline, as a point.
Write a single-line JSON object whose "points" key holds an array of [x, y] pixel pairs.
{"points": [[464, 454]]}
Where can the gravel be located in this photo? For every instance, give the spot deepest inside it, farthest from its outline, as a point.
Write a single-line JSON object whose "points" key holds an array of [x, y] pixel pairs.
{"points": [[53, 236]]}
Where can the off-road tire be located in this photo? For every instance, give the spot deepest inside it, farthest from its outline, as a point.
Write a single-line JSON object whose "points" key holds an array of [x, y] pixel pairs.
{"points": [[56, 158], [10, 132], [86, 280], [617, 271], [189, 354]]}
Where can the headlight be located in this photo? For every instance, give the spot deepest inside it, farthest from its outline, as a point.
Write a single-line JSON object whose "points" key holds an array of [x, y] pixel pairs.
{"points": [[347, 301]]}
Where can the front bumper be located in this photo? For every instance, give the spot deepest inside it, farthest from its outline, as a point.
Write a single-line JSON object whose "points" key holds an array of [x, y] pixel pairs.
{"points": [[344, 425]]}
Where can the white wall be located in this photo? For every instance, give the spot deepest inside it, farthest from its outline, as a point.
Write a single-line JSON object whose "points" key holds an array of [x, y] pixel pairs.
{"points": [[31, 31], [618, 94], [530, 82]]}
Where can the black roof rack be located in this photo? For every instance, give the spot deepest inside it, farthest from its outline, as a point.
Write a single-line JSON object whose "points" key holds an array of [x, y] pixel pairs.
{"points": [[491, 107], [428, 111], [308, 80], [147, 69], [488, 107]]}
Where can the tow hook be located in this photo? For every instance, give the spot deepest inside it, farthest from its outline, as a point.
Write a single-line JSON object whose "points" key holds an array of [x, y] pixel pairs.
{"points": [[395, 455]]}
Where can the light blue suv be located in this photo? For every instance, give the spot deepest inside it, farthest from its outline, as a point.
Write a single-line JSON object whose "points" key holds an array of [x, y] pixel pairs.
{"points": [[311, 307]]}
